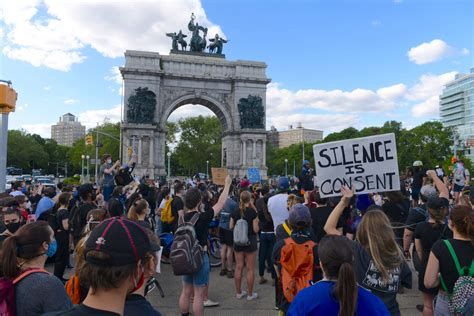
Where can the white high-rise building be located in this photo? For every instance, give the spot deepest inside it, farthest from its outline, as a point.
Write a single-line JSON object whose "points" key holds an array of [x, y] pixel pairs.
{"points": [[457, 110], [67, 130]]}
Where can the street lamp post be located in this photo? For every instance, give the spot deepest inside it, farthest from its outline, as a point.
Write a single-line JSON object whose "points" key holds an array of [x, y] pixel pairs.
{"points": [[207, 169], [169, 165], [82, 168], [286, 167], [87, 163]]}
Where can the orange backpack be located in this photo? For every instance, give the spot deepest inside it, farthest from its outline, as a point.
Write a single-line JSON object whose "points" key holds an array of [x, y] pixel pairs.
{"points": [[73, 289], [297, 264]]}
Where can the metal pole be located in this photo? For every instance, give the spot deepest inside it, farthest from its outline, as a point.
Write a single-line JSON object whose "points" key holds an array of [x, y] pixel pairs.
{"points": [[97, 153], [82, 168], [65, 170], [169, 165], [207, 168], [3, 150], [286, 167], [294, 168]]}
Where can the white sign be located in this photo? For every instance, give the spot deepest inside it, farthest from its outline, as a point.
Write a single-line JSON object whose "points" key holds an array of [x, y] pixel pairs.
{"points": [[367, 164]]}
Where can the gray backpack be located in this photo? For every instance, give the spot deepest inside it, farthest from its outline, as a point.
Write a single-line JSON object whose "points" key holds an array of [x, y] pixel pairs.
{"points": [[241, 232], [186, 254]]}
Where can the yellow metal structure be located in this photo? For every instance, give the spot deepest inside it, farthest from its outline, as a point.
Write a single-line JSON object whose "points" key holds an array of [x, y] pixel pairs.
{"points": [[8, 98]]}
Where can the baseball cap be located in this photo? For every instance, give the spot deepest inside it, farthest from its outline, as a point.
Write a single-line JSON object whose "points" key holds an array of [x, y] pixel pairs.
{"points": [[436, 203], [86, 188], [299, 215], [124, 241], [417, 163], [283, 183], [428, 191]]}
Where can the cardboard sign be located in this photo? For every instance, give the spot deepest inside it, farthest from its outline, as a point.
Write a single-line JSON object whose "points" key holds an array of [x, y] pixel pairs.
{"points": [[367, 164], [254, 175], [218, 175]]}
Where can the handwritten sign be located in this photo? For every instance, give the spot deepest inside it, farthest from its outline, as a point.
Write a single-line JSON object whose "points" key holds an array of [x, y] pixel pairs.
{"points": [[254, 175], [367, 164], [218, 175]]}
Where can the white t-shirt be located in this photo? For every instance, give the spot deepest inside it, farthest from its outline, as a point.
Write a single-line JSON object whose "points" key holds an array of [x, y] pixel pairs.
{"points": [[16, 193], [460, 174], [278, 208]]}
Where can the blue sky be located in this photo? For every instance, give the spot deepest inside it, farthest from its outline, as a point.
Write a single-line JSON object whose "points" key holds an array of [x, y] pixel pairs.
{"points": [[333, 64]]}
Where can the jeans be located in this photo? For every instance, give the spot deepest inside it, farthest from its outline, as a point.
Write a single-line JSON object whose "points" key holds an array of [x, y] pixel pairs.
{"points": [[441, 306], [62, 254], [267, 241]]}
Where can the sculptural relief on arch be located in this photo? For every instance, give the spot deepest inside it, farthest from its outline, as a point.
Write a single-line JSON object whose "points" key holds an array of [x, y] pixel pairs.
{"points": [[155, 85]]}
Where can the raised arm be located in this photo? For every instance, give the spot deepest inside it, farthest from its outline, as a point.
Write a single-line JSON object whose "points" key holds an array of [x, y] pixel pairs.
{"points": [[224, 195], [443, 191], [331, 223]]}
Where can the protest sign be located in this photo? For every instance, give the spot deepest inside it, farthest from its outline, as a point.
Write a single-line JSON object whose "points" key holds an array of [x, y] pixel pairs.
{"points": [[367, 164], [218, 175], [254, 175]]}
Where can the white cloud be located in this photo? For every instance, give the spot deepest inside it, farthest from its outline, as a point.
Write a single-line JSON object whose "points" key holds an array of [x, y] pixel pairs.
{"points": [[108, 26], [279, 100], [376, 23], [46, 88], [429, 107], [21, 108], [435, 50], [58, 59], [189, 110], [91, 118], [44, 130], [114, 75], [70, 101], [429, 85], [397, 1]]}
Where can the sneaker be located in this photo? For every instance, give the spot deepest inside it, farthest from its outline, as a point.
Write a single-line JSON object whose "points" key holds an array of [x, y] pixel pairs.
{"points": [[262, 280], [230, 274], [252, 297], [241, 295], [223, 272], [209, 303]]}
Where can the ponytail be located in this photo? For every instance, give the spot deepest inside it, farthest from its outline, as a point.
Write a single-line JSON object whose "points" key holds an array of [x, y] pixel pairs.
{"points": [[245, 197], [24, 245], [346, 290], [138, 208]]}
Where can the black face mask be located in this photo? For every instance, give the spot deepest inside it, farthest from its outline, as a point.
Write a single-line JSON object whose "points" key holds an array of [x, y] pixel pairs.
{"points": [[13, 227]]}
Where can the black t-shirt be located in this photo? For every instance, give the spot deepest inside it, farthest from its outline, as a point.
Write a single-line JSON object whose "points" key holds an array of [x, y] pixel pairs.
{"points": [[249, 216], [464, 250], [415, 216], [369, 277], [266, 224], [319, 217], [61, 214], [397, 212], [202, 225], [136, 304], [176, 205], [428, 234], [82, 310], [418, 175], [83, 210]]}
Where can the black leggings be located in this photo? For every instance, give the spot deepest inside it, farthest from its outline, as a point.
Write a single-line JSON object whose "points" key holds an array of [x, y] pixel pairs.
{"points": [[62, 254]]}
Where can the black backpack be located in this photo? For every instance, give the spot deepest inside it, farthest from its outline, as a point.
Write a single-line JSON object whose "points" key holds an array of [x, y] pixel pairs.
{"points": [[186, 254]]}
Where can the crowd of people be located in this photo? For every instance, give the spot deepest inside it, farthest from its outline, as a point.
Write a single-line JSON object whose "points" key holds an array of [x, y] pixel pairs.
{"points": [[350, 255]]}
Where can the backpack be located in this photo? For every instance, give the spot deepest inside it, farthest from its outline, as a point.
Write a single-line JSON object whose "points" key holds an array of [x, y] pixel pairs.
{"points": [[7, 291], [297, 265], [463, 290], [166, 214], [241, 232], [186, 254], [73, 289], [50, 217], [75, 222]]}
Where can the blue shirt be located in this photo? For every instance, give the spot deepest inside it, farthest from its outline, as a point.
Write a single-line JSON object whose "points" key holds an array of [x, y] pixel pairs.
{"points": [[43, 205], [229, 207], [318, 300]]}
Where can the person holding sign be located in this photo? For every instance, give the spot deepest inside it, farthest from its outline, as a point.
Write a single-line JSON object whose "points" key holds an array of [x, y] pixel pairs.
{"points": [[380, 265]]}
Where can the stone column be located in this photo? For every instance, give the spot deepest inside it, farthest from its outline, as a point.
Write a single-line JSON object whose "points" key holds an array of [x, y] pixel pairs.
{"points": [[244, 155], [254, 150], [140, 150], [151, 152], [264, 154]]}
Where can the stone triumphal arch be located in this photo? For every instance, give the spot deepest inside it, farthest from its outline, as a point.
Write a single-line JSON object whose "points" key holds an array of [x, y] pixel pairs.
{"points": [[155, 85]]}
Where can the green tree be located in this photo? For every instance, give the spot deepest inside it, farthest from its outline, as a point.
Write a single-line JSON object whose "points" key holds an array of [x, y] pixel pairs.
{"points": [[26, 151], [347, 133], [200, 141]]}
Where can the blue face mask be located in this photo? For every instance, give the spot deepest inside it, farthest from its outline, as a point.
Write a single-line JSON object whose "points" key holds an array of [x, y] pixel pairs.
{"points": [[53, 246]]}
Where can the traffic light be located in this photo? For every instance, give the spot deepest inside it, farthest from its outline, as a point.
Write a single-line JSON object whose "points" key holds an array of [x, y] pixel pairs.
{"points": [[8, 97], [89, 140]]}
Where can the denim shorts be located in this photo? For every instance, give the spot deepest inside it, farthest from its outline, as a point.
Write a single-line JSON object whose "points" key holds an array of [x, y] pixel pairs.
{"points": [[441, 306], [200, 278], [458, 188]]}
